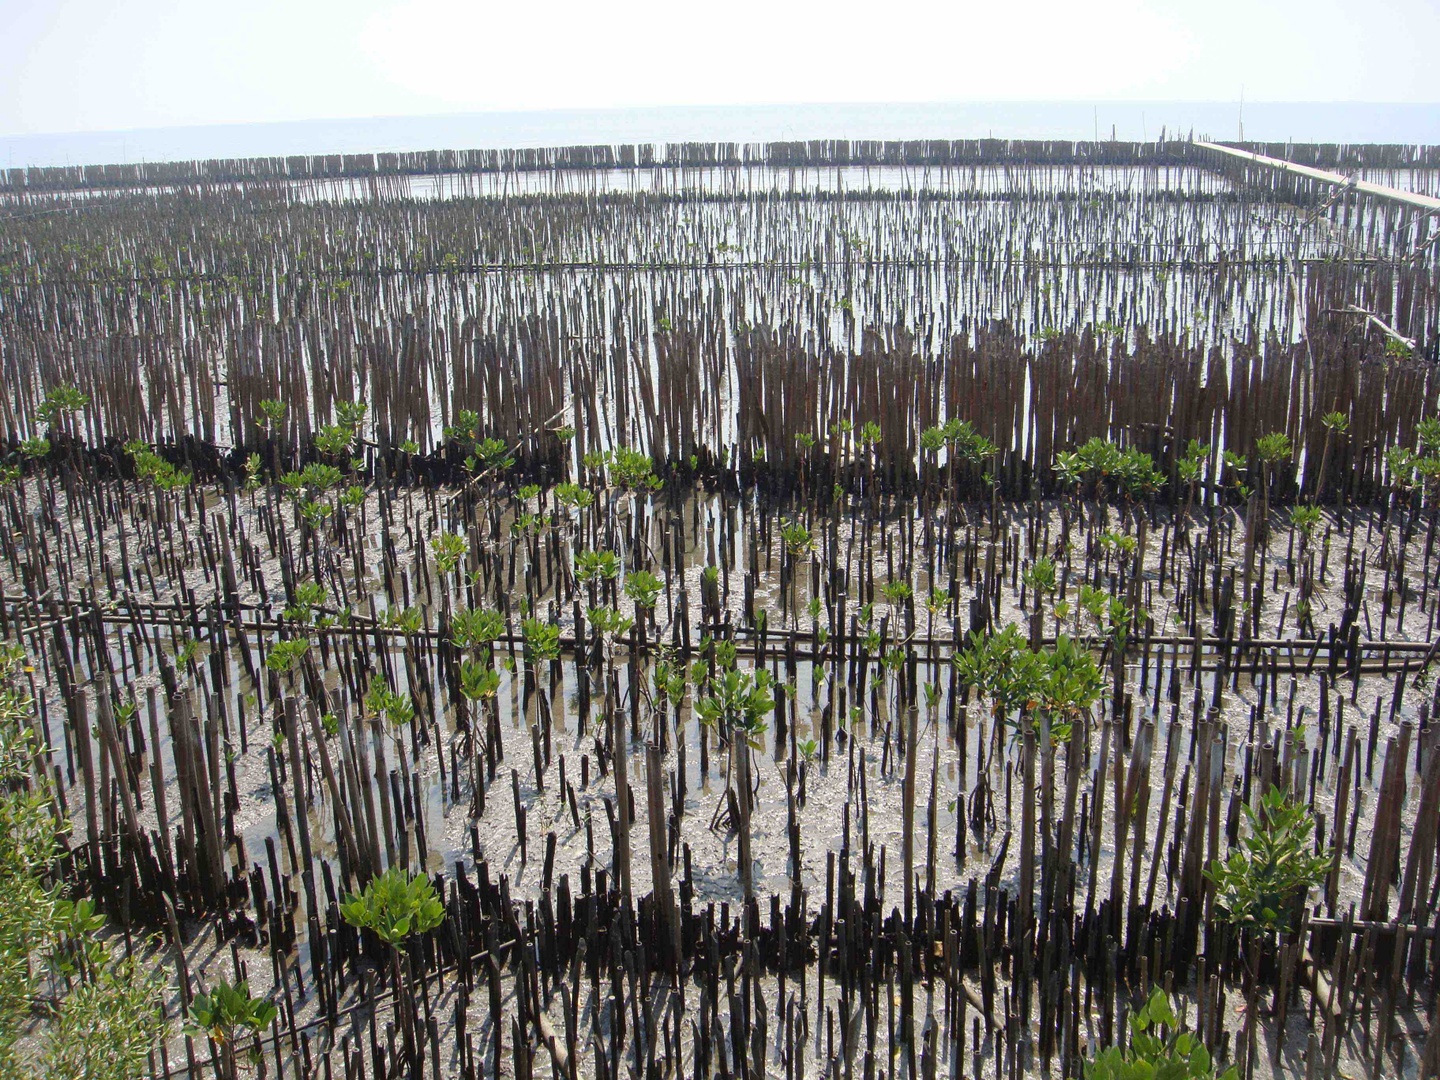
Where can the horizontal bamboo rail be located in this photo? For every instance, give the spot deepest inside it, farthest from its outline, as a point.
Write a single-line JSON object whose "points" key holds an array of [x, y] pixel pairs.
{"points": [[1380, 191]]}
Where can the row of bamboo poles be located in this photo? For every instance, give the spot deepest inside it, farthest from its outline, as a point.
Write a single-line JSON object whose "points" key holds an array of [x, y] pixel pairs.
{"points": [[812, 153]]}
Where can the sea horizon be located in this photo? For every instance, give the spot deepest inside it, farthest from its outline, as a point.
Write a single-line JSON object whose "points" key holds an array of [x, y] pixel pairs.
{"points": [[1326, 122]]}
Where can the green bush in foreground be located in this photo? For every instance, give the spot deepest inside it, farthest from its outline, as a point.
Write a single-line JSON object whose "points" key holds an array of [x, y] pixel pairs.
{"points": [[1259, 885], [1153, 1054], [81, 1010], [225, 1015]]}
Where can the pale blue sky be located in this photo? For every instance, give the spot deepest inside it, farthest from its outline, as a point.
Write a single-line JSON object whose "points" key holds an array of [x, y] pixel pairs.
{"points": [[100, 65]]}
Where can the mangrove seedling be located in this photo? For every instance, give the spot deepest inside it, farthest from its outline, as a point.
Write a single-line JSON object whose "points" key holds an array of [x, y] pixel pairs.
{"points": [[736, 706], [448, 549], [284, 655], [643, 588], [227, 1014], [272, 412], [476, 628], [796, 538], [1157, 1050], [395, 708], [1270, 875], [396, 907]]}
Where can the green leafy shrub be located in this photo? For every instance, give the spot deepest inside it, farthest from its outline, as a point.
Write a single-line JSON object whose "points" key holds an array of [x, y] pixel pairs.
{"points": [[632, 470], [607, 622], [1107, 468], [448, 549], [99, 1016], [964, 444], [285, 655], [1154, 1054], [476, 627], [737, 704], [272, 412], [1063, 682], [1274, 448], [395, 708], [542, 640], [227, 1014], [478, 681], [1274, 868], [796, 538], [394, 906], [594, 565], [61, 401], [643, 588], [308, 596], [1305, 519]]}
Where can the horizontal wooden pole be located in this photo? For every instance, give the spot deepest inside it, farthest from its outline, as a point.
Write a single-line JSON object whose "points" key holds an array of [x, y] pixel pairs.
{"points": [[1380, 191]]}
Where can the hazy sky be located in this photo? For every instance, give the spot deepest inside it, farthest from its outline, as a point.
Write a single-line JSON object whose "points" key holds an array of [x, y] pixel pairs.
{"points": [[95, 65]]}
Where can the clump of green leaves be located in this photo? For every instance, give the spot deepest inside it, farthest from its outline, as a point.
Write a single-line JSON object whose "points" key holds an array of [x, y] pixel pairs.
{"points": [[1274, 448], [671, 678], [624, 468], [960, 439], [737, 703], [1273, 869], [897, 592], [1157, 1051], [35, 447], [314, 480], [490, 456], [395, 708], [101, 1015], [643, 588], [308, 596], [1117, 543], [1191, 466], [1304, 519], [1106, 467], [1039, 576], [154, 468], [351, 414], [595, 565], [394, 906], [61, 401], [1063, 682], [1109, 616], [226, 1014], [407, 619], [1395, 349], [478, 680], [272, 412], [796, 538], [481, 456], [476, 627], [333, 440], [542, 640], [448, 549], [528, 523], [574, 495], [607, 622], [285, 655]]}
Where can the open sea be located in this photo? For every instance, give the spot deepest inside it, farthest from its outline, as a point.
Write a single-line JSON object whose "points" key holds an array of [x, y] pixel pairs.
{"points": [[1255, 121]]}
